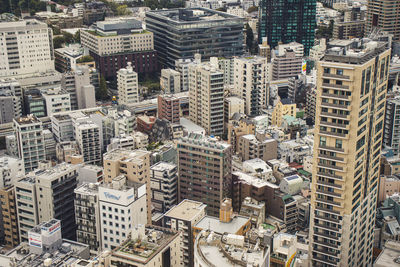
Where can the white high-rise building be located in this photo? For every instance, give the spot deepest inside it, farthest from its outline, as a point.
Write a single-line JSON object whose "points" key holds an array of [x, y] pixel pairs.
{"points": [[87, 136], [26, 46], [206, 97], [122, 207], [10, 169], [128, 87], [250, 83], [56, 100], [30, 141]]}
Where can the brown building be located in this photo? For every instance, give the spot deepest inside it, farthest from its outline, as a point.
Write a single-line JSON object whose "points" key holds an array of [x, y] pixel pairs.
{"points": [[286, 65], [257, 146], [145, 123], [135, 165], [384, 14], [237, 128], [168, 108], [9, 224], [348, 29], [204, 167]]}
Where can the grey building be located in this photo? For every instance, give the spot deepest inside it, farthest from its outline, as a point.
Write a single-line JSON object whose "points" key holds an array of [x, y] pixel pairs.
{"points": [[180, 33], [391, 136]]}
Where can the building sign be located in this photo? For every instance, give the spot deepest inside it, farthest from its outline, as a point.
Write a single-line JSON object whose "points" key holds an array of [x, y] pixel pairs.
{"points": [[111, 196], [35, 239], [304, 67]]}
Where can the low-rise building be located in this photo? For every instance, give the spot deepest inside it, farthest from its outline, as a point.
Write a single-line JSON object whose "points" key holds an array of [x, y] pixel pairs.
{"points": [[257, 146]]}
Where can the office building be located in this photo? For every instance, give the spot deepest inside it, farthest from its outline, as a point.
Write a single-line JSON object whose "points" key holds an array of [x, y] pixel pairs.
{"points": [[55, 196], [391, 135], [183, 217], [113, 43], [30, 141], [9, 234], [128, 87], [26, 203], [182, 66], [123, 207], [34, 103], [87, 136], [162, 248], [285, 21], [49, 145], [168, 108], [250, 83], [87, 216], [10, 101], [170, 81], [206, 97], [232, 105], [56, 100], [180, 33], [18, 55], [45, 239], [351, 96], [286, 65], [135, 165], [204, 167], [164, 186], [348, 29], [383, 15]]}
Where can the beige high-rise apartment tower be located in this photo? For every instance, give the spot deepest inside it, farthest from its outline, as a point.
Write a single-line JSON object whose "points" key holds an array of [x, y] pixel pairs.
{"points": [[350, 107]]}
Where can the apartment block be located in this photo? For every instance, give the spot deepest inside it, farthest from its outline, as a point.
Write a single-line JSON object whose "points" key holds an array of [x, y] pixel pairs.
{"points": [[162, 246], [250, 83], [204, 167], [9, 221], [170, 81], [135, 165], [30, 141], [237, 128], [183, 217], [283, 108], [286, 65], [206, 97], [173, 41], [87, 136], [87, 216], [168, 108], [115, 42], [27, 206], [123, 207], [10, 169], [128, 87], [164, 186], [351, 98], [55, 196], [391, 136], [20, 56], [257, 146], [56, 100]]}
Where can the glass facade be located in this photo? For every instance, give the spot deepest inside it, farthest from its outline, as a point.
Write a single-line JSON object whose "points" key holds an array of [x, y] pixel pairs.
{"points": [[288, 21]]}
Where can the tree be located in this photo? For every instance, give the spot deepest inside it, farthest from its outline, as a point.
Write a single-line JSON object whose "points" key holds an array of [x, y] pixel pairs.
{"points": [[77, 37], [68, 37], [122, 10], [249, 37], [58, 42], [83, 59], [102, 92]]}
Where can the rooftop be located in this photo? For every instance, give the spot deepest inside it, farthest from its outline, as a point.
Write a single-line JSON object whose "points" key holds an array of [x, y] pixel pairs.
{"points": [[55, 172], [186, 210], [254, 181], [215, 225], [163, 166], [27, 119], [390, 255], [146, 244], [205, 141], [126, 155]]}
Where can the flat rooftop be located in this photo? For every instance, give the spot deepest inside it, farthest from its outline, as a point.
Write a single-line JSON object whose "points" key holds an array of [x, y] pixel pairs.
{"points": [[163, 166], [215, 225], [27, 120], [144, 249], [126, 155], [186, 210], [390, 255], [192, 15]]}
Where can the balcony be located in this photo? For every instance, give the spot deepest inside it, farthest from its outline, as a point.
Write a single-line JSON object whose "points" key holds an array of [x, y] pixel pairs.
{"points": [[335, 125], [338, 106], [328, 228], [333, 194], [332, 167], [335, 76], [324, 261], [329, 202], [323, 156], [335, 86], [323, 243], [341, 135], [328, 210], [329, 219], [331, 148], [335, 96], [326, 252], [329, 175], [334, 115]]}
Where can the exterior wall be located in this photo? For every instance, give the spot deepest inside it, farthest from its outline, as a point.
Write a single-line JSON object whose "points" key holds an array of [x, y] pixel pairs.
{"points": [[383, 14], [168, 108], [9, 217]]}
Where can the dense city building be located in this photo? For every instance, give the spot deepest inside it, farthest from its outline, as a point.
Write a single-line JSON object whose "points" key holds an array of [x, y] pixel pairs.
{"points": [[287, 21], [383, 15], [348, 141], [180, 33]]}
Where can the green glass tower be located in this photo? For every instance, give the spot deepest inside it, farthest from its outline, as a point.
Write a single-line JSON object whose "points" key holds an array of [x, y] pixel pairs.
{"points": [[288, 21]]}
